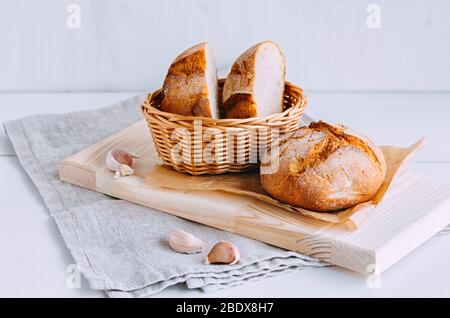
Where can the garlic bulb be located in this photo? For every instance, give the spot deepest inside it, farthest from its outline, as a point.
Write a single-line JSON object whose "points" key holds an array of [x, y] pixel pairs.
{"points": [[185, 242], [120, 162], [223, 253]]}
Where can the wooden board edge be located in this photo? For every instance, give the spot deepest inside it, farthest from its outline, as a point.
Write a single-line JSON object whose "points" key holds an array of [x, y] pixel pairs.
{"points": [[408, 241], [355, 258], [77, 174]]}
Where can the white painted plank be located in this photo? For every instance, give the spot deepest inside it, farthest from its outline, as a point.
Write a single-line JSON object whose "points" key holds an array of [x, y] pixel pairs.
{"points": [[396, 119], [128, 45], [14, 106], [391, 119]]}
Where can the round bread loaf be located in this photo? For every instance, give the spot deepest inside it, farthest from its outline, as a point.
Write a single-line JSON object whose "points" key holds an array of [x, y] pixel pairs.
{"points": [[323, 167]]}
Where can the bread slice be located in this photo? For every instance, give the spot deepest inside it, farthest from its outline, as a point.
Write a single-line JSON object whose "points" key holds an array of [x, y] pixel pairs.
{"points": [[255, 85], [190, 87]]}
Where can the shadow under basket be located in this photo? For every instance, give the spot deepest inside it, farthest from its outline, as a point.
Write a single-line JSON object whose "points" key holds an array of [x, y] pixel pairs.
{"points": [[198, 145]]}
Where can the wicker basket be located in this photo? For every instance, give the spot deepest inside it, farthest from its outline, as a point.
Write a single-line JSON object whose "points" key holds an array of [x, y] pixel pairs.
{"points": [[215, 146]]}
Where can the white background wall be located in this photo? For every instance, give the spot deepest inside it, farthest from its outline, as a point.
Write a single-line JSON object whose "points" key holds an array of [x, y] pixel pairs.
{"points": [[127, 45]]}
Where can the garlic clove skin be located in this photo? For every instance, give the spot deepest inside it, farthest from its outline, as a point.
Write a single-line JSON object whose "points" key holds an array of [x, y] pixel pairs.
{"points": [[184, 242], [223, 253], [123, 171], [120, 162]]}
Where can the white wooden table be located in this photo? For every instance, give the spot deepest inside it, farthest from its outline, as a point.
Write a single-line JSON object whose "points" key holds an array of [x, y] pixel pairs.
{"points": [[34, 258]]}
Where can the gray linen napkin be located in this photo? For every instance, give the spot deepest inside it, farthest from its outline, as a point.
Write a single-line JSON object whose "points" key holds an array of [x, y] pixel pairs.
{"points": [[121, 247]]}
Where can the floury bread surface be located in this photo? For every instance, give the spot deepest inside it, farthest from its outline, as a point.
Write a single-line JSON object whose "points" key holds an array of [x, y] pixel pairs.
{"points": [[324, 167]]}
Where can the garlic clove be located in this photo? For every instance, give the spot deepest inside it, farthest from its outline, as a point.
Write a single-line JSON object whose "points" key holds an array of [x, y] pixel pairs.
{"points": [[184, 242], [120, 162], [223, 253]]}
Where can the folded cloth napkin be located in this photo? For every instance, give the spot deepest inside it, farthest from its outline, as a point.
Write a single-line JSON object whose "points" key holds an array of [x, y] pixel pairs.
{"points": [[121, 247]]}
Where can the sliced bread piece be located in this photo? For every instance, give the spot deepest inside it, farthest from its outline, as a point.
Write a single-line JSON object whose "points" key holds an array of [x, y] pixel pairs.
{"points": [[190, 87], [255, 85]]}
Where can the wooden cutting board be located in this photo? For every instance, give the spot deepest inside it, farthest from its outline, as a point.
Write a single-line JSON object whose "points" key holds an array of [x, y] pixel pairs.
{"points": [[413, 210]]}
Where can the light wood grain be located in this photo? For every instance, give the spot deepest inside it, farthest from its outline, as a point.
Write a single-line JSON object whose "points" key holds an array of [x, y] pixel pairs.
{"points": [[414, 209]]}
